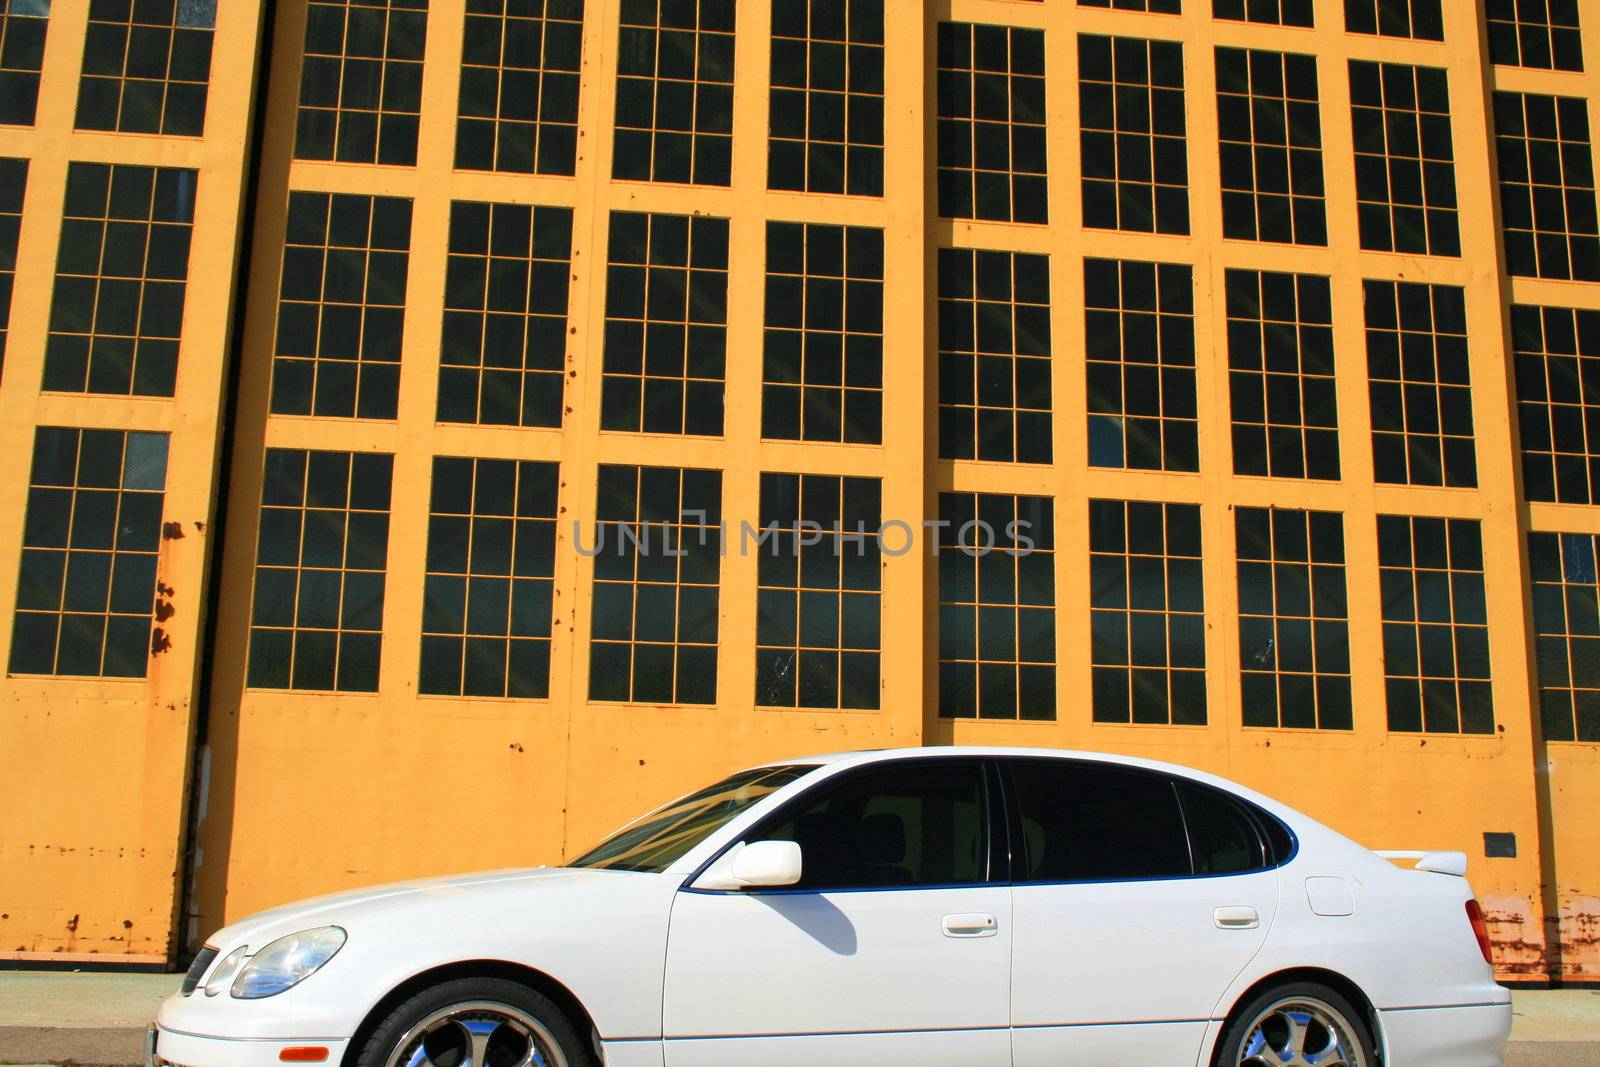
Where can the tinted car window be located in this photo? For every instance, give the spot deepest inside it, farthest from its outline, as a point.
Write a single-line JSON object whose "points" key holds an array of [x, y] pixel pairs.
{"points": [[656, 841], [910, 825], [1280, 843], [1223, 837], [1082, 822]]}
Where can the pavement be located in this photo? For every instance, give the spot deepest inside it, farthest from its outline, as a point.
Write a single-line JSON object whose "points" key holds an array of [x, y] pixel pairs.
{"points": [[71, 1017]]}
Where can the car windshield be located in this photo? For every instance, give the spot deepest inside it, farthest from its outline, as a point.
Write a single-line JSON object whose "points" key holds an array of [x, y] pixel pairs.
{"points": [[657, 840]]}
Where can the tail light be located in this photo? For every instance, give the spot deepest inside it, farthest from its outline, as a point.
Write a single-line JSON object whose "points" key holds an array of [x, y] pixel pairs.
{"points": [[1480, 929]]}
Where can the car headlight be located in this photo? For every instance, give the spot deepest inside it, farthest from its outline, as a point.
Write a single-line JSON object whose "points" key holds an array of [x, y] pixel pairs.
{"points": [[222, 976], [287, 962]]}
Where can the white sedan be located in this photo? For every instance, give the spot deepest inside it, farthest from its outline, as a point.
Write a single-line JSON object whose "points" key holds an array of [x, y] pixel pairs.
{"points": [[977, 907]]}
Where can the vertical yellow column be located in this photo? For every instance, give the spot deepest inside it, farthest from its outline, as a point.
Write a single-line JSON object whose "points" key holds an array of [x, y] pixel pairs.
{"points": [[92, 846], [1566, 774]]}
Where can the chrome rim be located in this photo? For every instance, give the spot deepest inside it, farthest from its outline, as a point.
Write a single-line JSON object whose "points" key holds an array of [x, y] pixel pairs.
{"points": [[478, 1034], [1300, 1032]]}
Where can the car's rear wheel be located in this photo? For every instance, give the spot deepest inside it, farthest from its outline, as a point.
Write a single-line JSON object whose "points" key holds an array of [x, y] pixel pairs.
{"points": [[1301, 1024], [475, 1022]]}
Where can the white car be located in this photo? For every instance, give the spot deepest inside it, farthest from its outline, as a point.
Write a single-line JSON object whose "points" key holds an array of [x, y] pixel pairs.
{"points": [[938, 907]]}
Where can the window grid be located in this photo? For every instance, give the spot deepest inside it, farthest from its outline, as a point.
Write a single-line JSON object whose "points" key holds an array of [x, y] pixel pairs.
{"points": [[1147, 620], [86, 590], [1294, 632], [1435, 625], [1420, 385], [1566, 618], [1267, 12], [1154, 7], [1140, 359], [13, 184], [666, 324], [1271, 147], [819, 599], [488, 586], [361, 81], [997, 620], [991, 115], [1542, 33], [116, 315], [674, 120], [1405, 160], [823, 360], [341, 308], [504, 344], [1547, 186], [518, 108], [146, 66], [994, 356], [22, 32], [1135, 149], [1419, 19], [826, 98], [1281, 376], [1557, 357], [317, 617], [656, 563]]}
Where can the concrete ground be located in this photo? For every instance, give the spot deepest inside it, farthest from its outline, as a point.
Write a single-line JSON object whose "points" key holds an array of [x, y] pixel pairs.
{"points": [[77, 1018]]}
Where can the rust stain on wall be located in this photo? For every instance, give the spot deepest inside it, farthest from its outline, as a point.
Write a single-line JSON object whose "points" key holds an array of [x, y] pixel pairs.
{"points": [[1579, 930], [1516, 936]]}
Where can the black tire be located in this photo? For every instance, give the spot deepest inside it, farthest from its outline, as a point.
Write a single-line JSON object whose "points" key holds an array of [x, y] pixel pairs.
{"points": [[1242, 1023], [552, 1025]]}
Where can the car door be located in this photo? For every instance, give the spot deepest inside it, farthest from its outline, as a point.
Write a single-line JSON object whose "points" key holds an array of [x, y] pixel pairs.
{"points": [[1128, 927], [894, 948]]}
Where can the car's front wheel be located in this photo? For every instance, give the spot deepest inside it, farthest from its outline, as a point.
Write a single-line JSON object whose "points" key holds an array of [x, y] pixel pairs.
{"points": [[1299, 1024], [475, 1022]]}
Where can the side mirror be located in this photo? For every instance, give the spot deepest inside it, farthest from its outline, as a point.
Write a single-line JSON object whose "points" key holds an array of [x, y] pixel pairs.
{"points": [[758, 865]]}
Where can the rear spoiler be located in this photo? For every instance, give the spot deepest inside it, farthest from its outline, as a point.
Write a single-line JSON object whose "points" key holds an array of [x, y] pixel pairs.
{"points": [[1438, 862]]}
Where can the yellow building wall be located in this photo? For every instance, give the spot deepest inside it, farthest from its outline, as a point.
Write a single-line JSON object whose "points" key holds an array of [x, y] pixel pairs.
{"points": [[303, 793]]}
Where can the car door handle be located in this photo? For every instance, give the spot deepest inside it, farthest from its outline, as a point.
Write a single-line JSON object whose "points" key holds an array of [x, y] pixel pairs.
{"points": [[1236, 918], [970, 924]]}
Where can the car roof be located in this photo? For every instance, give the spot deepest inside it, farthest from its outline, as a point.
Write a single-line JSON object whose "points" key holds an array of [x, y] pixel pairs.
{"points": [[863, 757], [877, 755]]}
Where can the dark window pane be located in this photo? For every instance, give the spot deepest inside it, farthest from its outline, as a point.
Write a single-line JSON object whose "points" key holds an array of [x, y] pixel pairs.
{"points": [[334, 573], [1135, 156], [361, 81], [1420, 558], [1401, 116], [1140, 365], [1542, 145], [117, 314], [1148, 585], [503, 345], [657, 548], [823, 358], [674, 93], [518, 107], [88, 609], [826, 104], [996, 595], [991, 123], [340, 306], [818, 536], [1419, 384]]}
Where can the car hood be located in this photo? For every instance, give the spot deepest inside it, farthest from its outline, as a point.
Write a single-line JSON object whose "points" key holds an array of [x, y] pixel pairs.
{"points": [[355, 906]]}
